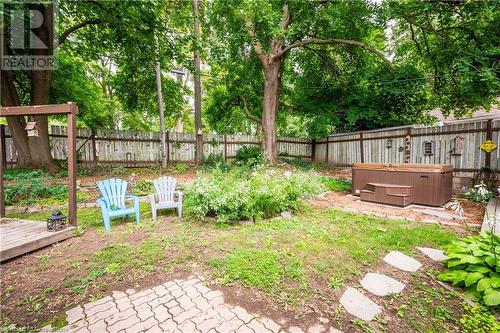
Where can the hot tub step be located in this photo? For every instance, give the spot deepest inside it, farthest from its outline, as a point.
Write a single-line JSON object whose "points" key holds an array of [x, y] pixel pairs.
{"points": [[391, 194]]}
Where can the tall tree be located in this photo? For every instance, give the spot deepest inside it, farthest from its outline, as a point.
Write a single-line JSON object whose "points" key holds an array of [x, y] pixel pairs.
{"points": [[126, 25], [197, 84], [276, 28]]}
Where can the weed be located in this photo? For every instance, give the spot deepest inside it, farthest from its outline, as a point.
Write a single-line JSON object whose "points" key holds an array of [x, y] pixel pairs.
{"points": [[33, 304], [143, 187], [479, 319], [28, 191], [339, 185], [261, 268], [181, 167], [120, 171], [336, 282]]}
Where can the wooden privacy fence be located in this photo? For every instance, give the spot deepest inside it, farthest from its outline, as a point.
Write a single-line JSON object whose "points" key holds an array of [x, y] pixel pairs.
{"points": [[457, 144], [142, 149]]}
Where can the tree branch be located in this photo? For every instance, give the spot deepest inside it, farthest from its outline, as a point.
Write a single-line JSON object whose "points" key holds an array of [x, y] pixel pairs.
{"points": [[335, 41], [72, 29], [255, 41], [247, 112], [422, 26], [285, 21]]}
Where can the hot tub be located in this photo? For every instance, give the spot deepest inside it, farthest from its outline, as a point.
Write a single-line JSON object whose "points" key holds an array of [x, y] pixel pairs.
{"points": [[403, 184]]}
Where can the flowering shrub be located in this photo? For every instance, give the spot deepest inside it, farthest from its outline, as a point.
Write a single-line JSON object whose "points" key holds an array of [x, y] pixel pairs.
{"points": [[241, 194]]}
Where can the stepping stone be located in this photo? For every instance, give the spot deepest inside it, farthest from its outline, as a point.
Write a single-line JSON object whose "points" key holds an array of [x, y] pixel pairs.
{"points": [[359, 305], [438, 213], [402, 261], [381, 285], [434, 254]]}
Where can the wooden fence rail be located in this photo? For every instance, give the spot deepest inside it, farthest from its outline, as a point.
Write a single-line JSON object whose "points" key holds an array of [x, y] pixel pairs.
{"points": [[457, 144], [142, 149]]}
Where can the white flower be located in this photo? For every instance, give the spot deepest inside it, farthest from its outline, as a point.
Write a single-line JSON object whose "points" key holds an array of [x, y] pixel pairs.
{"points": [[457, 208], [287, 174]]}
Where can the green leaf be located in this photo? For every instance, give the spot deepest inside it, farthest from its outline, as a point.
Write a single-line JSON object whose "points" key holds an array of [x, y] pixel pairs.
{"points": [[453, 262], [478, 268], [473, 278], [491, 297], [490, 260], [455, 276], [469, 259], [483, 284], [495, 282]]}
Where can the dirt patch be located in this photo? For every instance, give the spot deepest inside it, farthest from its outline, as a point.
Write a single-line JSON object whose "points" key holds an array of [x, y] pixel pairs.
{"points": [[39, 278], [344, 173], [346, 202]]}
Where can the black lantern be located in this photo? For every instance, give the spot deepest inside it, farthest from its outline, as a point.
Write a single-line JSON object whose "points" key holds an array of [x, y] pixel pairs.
{"points": [[56, 221]]}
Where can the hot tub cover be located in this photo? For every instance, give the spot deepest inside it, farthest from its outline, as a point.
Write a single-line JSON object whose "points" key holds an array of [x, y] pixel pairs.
{"points": [[404, 167]]}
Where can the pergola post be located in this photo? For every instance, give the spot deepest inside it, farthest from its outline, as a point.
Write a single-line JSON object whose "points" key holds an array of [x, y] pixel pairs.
{"points": [[71, 111], [72, 205], [2, 165]]}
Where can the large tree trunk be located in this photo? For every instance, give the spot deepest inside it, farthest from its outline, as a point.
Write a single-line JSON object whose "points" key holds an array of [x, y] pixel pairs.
{"points": [[270, 107], [32, 151]]}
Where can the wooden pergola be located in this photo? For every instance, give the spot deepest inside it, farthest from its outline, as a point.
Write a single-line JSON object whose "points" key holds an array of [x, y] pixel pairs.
{"points": [[40, 237]]}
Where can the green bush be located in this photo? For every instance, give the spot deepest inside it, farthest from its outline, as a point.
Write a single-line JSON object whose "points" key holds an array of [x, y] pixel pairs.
{"points": [[143, 187], [474, 263], [213, 159], [181, 167], [250, 155], [339, 185], [30, 190], [244, 194], [299, 163]]}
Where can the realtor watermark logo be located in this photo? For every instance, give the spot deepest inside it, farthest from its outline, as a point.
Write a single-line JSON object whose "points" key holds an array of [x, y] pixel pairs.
{"points": [[28, 35]]}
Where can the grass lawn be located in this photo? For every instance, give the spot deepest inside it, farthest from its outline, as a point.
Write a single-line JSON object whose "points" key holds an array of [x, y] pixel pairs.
{"points": [[299, 263]]}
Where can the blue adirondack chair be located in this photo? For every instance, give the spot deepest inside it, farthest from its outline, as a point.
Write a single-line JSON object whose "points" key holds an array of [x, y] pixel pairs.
{"points": [[114, 195]]}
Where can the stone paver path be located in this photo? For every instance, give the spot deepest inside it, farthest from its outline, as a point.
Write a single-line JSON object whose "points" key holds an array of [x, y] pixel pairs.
{"points": [[176, 306], [434, 254], [359, 305], [381, 285], [402, 261]]}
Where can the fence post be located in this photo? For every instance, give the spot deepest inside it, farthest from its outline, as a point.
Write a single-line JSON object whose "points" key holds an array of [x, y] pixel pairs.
{"points": [[167, 148], [361, 147], [225, 148], [313, 150], [489, 136], [327, 158], [94, 149]]}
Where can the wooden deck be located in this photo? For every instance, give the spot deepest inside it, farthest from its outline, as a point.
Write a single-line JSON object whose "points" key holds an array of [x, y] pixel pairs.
{"points": [[18, 237]]}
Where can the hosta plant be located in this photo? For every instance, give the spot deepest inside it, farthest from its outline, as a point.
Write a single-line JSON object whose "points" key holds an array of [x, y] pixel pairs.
{"points": [[479, 193], [474, 263]]}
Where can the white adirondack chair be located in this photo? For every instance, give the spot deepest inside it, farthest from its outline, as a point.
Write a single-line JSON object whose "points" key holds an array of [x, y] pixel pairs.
{"points": [[165, 196]]}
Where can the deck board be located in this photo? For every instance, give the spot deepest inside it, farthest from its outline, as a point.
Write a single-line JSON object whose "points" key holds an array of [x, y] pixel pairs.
{"points": [[18, 237]]}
